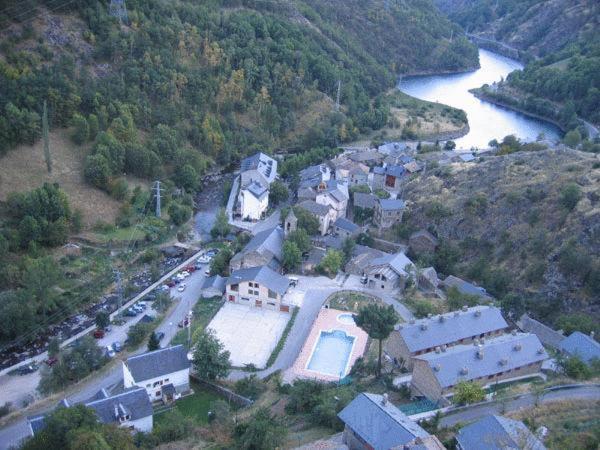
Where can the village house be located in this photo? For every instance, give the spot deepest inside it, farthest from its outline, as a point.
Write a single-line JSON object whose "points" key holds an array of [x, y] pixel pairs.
{"points": [[427, 280], [581, 345], [258, 168], [258, 287], [164, 373], [436, 374], [371, 422], [343, 167], [389, 272], [495, 432], [548, 336], [253, 201], [213, 287], [422, 242], [422, 336], [264, 249], [368, 157], [388, 212], [336, 196], [358, 176], [466, 288], [364, 201], [130, 409], [313, 176], [321, 212], [345, 228], [388, 177]]}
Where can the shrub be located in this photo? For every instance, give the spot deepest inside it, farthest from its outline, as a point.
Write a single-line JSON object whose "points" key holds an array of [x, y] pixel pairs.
{"points": [[570, 196], [250, 387]]}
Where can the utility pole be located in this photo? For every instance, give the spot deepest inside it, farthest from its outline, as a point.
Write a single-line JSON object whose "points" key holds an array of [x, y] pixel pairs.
{"points": [[118, 9], [337, 100], [46, 138], [157, 189]]}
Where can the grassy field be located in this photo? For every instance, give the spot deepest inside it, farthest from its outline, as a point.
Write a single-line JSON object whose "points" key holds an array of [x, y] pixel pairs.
{"points": [[195, 406], [351, 301], [204, 311]]}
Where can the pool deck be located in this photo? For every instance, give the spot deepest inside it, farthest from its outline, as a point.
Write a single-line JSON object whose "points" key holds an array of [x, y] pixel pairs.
{"points": [[327, 320]]}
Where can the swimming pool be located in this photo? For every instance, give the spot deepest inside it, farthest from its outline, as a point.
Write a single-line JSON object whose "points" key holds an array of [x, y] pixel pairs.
{"points": [[331, 353], [346, 319]]}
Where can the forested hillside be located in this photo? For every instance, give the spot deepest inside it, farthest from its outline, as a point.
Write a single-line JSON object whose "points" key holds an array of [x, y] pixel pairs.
{"points": [[211, 81]]}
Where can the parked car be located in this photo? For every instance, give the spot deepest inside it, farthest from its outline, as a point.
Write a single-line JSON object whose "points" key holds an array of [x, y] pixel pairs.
{"points": [[185, 274], [170, 283], [110, 352], [159, 335], [204, 259], [29, 368], [184, 323], [207, 272], [190, 269], [108, 329], [117, 347], [51, 361], [181, 287], [98, 333], [142, 304], [130, 312]]}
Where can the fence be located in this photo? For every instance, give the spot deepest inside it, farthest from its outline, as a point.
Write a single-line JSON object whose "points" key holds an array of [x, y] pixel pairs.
{"points": [[228, 394]]}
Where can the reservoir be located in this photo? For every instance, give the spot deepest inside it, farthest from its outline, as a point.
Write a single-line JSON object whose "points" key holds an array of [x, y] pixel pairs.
{"points": [[486, 121]]}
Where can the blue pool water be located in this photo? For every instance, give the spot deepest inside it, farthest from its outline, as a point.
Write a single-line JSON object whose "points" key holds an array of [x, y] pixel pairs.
{"points": [[331, 353]]}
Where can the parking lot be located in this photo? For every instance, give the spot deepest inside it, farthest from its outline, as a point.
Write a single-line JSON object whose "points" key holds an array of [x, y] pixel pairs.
{"points": [[250, 334]]}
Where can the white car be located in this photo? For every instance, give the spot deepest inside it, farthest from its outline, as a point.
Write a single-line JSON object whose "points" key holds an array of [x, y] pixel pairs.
{"points": [[204, 259], [181, 287], [110, 352]]}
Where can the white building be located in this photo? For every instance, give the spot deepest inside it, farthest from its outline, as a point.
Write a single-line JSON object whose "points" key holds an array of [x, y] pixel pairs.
{"points": [[336, 196], [164, 373], [253, 201]]}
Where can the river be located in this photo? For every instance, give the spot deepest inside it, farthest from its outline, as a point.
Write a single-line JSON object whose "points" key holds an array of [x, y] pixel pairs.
{"points": [[486, 121]]}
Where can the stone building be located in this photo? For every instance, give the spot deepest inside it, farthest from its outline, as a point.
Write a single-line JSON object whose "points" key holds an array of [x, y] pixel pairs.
{"points": [[258, 287], [345, 228], [421, 336], [436, 374], [422, 242], [264, 249], [290, 224], [388, 212]]}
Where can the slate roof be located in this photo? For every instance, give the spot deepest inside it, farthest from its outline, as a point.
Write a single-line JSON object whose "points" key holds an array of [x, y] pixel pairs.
{"points": [[337, 190], [451, 327], [158, 363], [382, 426], [261, 162], [497, 433], [262, 275], [257, 190], [424, 233], [345, 224], [315, 208], [581, 345], [369, 155], [547, 335], [364, 200], [395, 171], [134, 403], [397, 262], [216, 282], [270, 240], [390, 204], [461, 362], [464, 287]]}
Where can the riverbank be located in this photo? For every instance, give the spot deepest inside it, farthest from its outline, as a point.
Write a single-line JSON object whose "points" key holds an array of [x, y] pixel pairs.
{"points": [[485, 96]]}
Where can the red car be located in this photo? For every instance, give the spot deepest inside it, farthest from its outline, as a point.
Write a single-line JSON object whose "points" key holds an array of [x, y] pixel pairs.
{"points": [[99, 334], [190, 269], [51, 361], [170, 283]]}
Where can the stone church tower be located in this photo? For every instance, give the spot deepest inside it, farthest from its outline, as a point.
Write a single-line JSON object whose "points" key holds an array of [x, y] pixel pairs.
{"points": [[290, 224]]}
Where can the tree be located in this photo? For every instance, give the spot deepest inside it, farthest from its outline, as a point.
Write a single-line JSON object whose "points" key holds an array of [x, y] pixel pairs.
{"points": [[468, 392], [53, 347], [187, 178], [219, 265], [348, 248], [221, 227], [262, 431], [278, 192], [179, 214], [331, 262], [572, 138], [378, 321], [292, 257], [46, 139], [102, 320], [81, 129], [153, 342], [302, 240], [570, 195], [307, 221], [97, 171], [450, 145], [211, 361]]}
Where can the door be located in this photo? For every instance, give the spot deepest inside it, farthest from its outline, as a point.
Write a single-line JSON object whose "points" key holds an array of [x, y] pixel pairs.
{"points": [[284, 308]]}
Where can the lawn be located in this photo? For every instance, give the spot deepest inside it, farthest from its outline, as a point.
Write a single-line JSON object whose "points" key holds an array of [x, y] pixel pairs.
{"points": [[195, 406], [204, 311], [351, 301]]}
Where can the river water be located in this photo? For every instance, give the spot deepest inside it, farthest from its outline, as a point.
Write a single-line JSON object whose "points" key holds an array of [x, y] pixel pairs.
{"points": [[486, 121]]}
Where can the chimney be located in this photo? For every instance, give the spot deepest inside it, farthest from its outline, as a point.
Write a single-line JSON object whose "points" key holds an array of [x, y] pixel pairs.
{"points": [[517, 347], [480, 354], [464, 371], [455, 313], [592, 334], [437, 368], [444, 348], [503, 361], [540, 351], [429, 315], [476, 342], [423, 327], [514, 332], [384, 399], [442, 318], [464, 308], [411, 321], [438, 350], [477, 313]]}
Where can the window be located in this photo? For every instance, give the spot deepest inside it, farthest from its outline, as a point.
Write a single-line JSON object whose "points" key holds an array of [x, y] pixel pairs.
{"points": [[270, 303], [272, 294], [157, 393], [235, 287], [166, 380]]}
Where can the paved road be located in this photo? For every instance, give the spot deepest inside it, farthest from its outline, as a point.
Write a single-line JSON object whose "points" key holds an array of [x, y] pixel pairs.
{"points": [[586, 393], [353, 283], [15, 432]]}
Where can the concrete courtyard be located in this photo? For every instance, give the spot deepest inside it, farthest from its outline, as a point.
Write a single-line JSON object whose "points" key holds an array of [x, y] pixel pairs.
{"points": [[250, 334]]}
